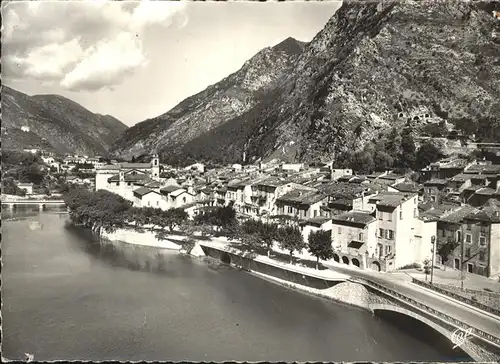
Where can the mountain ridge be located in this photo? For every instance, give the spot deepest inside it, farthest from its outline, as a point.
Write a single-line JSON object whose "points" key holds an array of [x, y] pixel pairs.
{"points": [[373, 67], [55, 123]]}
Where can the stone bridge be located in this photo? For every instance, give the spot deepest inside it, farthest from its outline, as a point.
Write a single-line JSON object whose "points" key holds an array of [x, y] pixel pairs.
{"points": [[479, 345], [41, 203]]}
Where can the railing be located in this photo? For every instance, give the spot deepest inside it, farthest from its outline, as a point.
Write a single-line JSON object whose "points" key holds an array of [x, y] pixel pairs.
{"points": [[443, 317], [459, 297]]}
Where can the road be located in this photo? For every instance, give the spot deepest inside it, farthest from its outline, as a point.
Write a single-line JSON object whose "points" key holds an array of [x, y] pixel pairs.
{"points": [[451, 308]]}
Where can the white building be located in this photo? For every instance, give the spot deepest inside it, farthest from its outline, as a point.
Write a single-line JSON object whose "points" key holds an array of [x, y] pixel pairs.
{"points": [[354, 239], [396, 218]]}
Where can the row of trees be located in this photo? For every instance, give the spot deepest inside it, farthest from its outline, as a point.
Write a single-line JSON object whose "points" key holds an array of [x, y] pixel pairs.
{"points": [[109, 211], [256, 235]]}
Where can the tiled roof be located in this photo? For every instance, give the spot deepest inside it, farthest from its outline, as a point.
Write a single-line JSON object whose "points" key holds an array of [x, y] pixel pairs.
{"points": [[129, 178], [490, 212], [142, 191], [303, 197], [457, 215], [153, 184], [484, 169], [358, 217], [178, 192], [127, 165], [273, 182], [169, 189], [316, 221], [435, 181], [109, 167], [407, 187], [486, 191], [343, 190], [391, 199], [462, 177]]}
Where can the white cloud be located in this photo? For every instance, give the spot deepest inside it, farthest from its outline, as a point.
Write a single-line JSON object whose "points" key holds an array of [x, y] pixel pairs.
{"points": [[50, 61], [106, 64], [83, 44]]}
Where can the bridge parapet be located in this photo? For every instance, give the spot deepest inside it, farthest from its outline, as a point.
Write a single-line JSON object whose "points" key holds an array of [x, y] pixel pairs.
{"points": [[479, 337]]}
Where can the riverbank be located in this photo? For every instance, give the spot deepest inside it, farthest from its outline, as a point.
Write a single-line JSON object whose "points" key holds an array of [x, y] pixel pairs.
{"points": [[143, 237], [345, 293]]}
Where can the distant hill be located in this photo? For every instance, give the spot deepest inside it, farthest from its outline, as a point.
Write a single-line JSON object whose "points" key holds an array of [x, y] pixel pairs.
{"points": [[55, 123]]}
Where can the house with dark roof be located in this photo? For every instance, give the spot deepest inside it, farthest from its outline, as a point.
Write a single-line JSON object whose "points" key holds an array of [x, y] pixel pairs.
{"points": [[481, 241], [146, 197], [123, 178], [435, 190], [301, 203]]}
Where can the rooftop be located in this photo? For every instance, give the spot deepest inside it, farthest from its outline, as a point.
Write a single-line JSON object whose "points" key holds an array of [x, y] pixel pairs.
{"points": [[391, 199], [483, 169], [354, 216], [302, 197], [142, 191], [169, 189], [408, 187], [129, 178], [436, 182], [490, 212]]}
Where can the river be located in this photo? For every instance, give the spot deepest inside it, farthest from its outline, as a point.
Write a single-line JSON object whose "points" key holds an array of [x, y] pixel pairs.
{"points": [[65, 296]]}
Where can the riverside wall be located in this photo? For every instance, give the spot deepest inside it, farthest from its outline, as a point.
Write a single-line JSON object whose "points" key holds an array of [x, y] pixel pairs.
{"points": [[339, 289]]}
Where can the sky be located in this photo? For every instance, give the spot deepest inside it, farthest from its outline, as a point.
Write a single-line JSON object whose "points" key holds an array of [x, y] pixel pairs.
{"points": [[138, 59]]}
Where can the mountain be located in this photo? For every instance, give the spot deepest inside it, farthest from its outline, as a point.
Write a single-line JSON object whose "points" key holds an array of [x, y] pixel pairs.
{"points": [[373, 67], [217, 104], [55, 124]]}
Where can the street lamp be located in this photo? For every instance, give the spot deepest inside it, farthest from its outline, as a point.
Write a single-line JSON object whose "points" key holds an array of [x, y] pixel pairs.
{"points": [[433, 242]]}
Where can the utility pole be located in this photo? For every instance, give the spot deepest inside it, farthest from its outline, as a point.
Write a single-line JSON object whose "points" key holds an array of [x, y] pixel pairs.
{"points": [[433, 260]]}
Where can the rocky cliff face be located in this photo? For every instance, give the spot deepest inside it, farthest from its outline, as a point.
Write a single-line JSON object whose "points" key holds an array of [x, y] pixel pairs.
{"points": [[373, 66], [54, 123], [217, 104]]}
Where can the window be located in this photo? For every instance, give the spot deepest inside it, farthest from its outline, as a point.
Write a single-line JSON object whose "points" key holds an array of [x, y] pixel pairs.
{"points": [[483, 230], [414, 212], [391, 234], [387, 234], [149, 203], [459, 236], [380, 215], [117, 183], [315, 213], [157, 203], [482, 241], [467, 252], [340, 230], [129, 183], [290, 210], [415, 200], [468, 239], [468, 226], [387, 249], [389, 216], [433, 198], [381, 233], [443, 233], [360, 237], [401, 215], [482, 256], [469, 267], [184, 199]]}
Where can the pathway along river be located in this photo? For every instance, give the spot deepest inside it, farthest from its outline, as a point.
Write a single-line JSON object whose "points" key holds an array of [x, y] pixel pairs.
{"points": [[67, 297]]}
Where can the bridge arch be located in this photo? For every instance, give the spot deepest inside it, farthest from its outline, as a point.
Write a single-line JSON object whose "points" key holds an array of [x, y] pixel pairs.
{"points": [[441, 330]]}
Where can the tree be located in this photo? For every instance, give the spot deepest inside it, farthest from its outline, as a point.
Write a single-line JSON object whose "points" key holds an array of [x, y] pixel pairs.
{"points": [[268, 233], [290, 238], [427, 153], [408, 151], [320, 245]]}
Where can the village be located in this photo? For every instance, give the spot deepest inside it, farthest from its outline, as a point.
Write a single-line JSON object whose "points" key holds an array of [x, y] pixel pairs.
{"points": [[382, 221]]}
